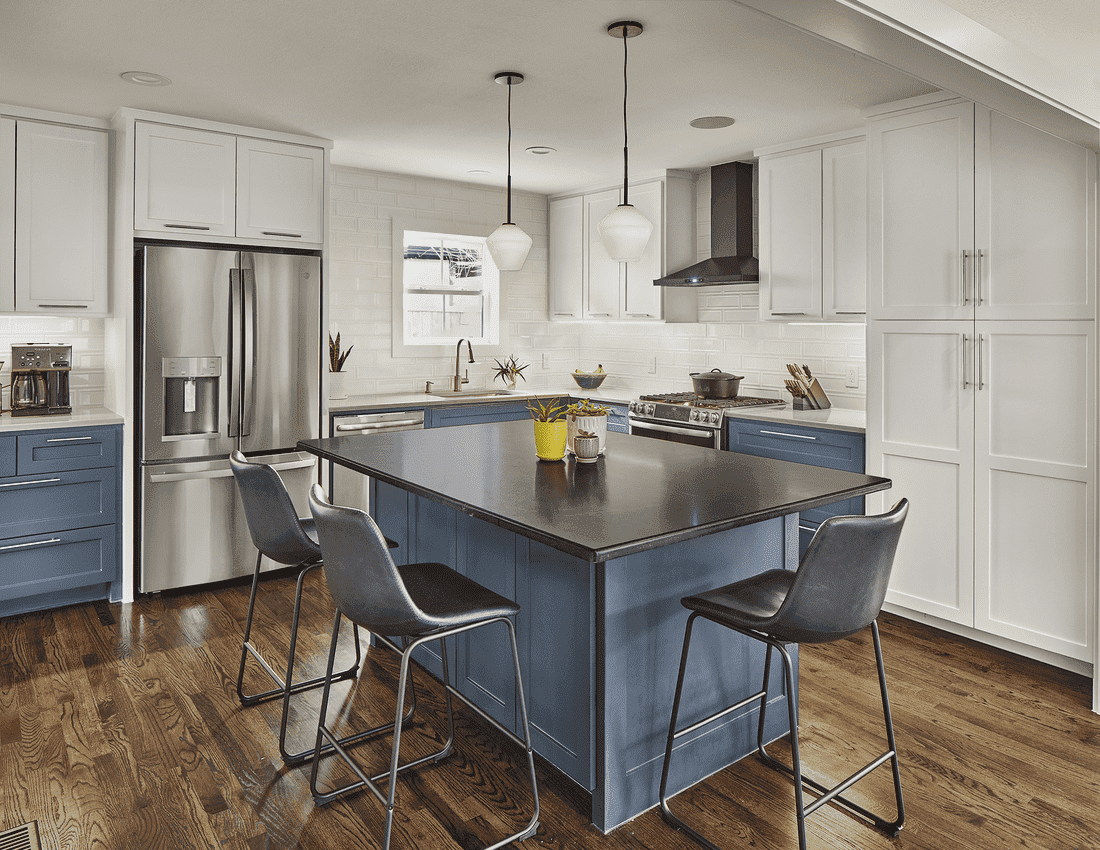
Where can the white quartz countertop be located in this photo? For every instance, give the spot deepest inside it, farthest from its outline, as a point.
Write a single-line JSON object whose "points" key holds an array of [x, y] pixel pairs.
{"points": [[835, 418], [83, 418]]}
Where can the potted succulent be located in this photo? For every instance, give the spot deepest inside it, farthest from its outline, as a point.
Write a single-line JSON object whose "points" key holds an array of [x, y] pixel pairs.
{"points": [[549, 428], [336, 360], [509, 370], [586, 416]]}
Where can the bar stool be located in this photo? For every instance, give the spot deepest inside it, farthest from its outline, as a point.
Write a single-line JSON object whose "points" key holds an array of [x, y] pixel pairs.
{"points": [[837, 590], [417, 603], [282, 536]]}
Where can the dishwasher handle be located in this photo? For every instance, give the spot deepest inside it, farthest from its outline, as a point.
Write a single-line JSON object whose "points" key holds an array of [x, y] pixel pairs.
{"points": [[393, 424]]}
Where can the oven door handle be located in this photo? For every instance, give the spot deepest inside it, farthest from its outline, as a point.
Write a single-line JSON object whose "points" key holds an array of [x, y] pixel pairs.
{"points": [[671, 429]]}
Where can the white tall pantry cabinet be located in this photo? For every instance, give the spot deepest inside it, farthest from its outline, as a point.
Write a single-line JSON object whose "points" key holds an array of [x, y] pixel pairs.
{"points": [[981, 397]]}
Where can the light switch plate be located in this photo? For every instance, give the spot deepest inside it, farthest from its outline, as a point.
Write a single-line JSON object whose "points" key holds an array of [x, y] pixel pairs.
{"points": [[545, 360], [852, 377], [653, 365]]}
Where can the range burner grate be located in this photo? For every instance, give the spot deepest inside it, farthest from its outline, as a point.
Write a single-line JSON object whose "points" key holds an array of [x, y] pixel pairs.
{"points": [[693, 400]]}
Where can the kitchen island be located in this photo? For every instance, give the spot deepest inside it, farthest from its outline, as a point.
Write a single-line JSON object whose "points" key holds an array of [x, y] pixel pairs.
{"points": [[598, 556]]}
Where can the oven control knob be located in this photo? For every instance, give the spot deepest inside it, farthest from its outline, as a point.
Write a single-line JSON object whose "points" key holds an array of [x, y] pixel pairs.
{"points": [[715, 417], [649, 408], [693, 415]]}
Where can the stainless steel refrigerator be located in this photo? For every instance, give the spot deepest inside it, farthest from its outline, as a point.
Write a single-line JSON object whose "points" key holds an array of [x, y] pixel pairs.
{"points": [[229, 358]]}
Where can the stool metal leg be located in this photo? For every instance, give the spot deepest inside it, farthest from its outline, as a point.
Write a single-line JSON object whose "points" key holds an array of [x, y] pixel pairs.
{"points": [[395, 767], [285, 686]]}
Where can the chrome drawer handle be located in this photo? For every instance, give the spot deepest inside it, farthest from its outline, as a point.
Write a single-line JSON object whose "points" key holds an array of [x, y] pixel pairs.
{"points": [[277, 233], [36, 543], [792, 436], [188, 226], [802, 527], [29, 483], [67, 439], [64, 306]]}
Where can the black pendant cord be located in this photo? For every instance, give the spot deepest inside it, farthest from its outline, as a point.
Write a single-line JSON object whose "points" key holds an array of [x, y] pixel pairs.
{"points": [[509, 220], [626, 201]]}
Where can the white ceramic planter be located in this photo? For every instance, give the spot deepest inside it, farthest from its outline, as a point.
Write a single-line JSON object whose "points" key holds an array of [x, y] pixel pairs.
{"points": [[594, 424], [337, 386]]}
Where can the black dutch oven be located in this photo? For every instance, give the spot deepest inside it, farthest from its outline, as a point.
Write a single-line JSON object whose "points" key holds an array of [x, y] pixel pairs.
{"points": [[716, 384]]}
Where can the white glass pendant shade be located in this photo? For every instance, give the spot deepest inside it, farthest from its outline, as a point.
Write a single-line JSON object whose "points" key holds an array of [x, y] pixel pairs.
{"points": [[625, 232], [509, 245]]}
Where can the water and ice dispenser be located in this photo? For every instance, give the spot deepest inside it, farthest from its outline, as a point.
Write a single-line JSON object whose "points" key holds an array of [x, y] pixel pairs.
{"points": [[191, 397]]}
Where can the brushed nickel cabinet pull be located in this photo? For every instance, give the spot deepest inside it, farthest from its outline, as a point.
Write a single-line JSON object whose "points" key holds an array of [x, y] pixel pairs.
{"points": [[965, 281], [67, 439], [35, 543], [276, 233], [966, 371], [29, 483], [188, 226], [64, 306], [784, 434]]}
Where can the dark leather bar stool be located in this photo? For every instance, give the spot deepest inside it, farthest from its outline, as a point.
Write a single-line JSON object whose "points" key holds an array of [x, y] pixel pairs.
{"points": [[837, 590], [279, 534], [417, 603]]}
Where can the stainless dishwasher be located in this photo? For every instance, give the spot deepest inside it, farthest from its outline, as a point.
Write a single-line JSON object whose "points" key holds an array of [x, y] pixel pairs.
{"points": [[351, 488]]}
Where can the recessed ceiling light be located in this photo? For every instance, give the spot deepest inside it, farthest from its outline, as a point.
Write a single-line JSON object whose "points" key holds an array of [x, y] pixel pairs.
{"points": [[541, 150], [145, 78], [478, 171], [711, 122]]}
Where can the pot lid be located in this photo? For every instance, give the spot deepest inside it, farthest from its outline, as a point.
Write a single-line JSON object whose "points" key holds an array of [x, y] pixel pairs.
{"points": [[717, 374]]}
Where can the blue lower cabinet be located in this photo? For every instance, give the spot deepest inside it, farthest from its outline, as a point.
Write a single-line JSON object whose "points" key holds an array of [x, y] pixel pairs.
{"points": [[60, 506], [823, 447], [475, 414], [618, 418]]}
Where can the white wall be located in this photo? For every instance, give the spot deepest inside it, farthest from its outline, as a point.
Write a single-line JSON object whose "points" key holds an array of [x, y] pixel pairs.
{"points": [[728, 335]]}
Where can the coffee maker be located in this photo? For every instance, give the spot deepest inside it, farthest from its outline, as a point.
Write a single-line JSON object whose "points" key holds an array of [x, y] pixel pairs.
{"points": [[40, 379]]}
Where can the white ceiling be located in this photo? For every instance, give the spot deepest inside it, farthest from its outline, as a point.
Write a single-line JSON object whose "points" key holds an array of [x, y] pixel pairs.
{"points": [[406, 85]]}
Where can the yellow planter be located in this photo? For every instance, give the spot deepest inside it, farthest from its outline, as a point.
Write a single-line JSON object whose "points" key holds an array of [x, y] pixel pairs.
{"points": [[550, 440]]}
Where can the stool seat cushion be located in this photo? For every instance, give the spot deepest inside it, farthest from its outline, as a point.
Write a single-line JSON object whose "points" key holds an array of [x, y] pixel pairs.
{"points": [[449, 598], [748, 604]]}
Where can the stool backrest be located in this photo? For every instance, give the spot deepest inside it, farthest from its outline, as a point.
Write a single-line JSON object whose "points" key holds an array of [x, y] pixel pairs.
{"points": [[272, 521], [362, 577], [842, 578]]}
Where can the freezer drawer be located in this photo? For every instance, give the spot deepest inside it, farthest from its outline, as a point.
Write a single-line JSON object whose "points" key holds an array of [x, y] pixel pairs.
{"points": [[193, 527]]}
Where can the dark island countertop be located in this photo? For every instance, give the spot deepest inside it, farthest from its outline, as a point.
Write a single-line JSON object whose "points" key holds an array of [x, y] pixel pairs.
{"points": [[643, 493]]}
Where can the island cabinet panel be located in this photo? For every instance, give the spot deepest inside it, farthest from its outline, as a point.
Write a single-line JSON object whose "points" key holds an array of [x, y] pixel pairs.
{"points": [[475, 414], [60, 503]]}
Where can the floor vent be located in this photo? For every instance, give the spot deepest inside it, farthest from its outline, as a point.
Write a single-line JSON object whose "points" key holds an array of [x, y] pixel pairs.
{"points": [[23, 837]]}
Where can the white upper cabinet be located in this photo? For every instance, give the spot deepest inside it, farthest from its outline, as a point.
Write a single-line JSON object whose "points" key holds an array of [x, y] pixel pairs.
{"points": [[7, 215], [976, 215], [197, 183], [280, 191], [812, 225], [184, 180], [60, 219], [566, 266], [586, 284]]}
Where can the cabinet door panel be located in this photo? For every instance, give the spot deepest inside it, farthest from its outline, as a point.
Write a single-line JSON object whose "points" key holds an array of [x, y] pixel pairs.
{"points": [[920, 433], [1035, 476], [844, 232], [602, 291], [279, 191], [790, 235], [7, 215], [641, 299], [1036, 228], [920, 212], [566, 258], [61, 219], [184, 180]]}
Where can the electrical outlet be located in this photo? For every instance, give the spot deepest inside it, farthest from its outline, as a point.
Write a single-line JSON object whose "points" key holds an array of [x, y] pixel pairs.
{"points": [[852, 377], [545, 360], [653, 365]]}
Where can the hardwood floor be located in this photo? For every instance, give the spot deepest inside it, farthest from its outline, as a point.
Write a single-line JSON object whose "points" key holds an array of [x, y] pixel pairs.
{"points": [[120, 729]]}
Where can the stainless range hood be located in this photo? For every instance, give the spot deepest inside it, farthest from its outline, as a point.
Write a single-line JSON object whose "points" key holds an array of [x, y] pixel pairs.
{"points": [[730, 232]]}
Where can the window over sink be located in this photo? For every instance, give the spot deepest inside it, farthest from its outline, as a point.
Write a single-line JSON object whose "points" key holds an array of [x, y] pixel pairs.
{"points": [[445, 286]]}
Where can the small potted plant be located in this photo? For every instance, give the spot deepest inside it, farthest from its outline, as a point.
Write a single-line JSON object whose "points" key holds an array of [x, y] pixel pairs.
{"points": [[549, 420], [510, 370], [336, 360], [586, 416]]}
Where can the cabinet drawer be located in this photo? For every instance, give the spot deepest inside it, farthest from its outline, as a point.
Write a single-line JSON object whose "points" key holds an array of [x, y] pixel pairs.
{"points": [[56, 451], [618, 418], [45, 563], [472, 414], [44, 503], [7, 455], [812, 446]]}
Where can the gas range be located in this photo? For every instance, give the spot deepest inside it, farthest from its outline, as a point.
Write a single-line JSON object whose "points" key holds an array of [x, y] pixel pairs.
{"points": [[687, 418]]}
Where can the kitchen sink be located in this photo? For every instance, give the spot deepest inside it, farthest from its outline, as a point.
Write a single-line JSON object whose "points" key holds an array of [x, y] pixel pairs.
{"points": [[471, 393]]}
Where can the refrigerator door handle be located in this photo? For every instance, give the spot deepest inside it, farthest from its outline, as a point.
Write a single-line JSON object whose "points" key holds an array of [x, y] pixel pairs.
{"points": [[234, 352], [248, 350]]}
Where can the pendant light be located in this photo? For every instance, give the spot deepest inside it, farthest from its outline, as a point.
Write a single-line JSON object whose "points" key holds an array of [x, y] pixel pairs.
{"points": [[508, 244], [624, 231]]}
